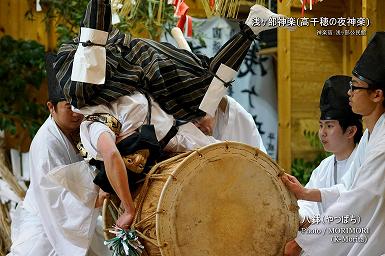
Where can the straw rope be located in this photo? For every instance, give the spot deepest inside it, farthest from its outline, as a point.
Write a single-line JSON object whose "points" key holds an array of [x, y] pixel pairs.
{"points": [[5, 229], [5, 220]]}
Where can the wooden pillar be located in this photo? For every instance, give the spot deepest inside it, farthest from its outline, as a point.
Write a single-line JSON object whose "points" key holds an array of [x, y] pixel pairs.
{"points": [[365, 9], [370, 10], [356, 43], [284, 92], [380, 21]]}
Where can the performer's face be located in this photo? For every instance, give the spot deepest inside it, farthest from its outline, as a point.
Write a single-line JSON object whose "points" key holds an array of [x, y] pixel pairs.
{"points": [[361, 100], [332, 136], [65, 118], [206, 124]]}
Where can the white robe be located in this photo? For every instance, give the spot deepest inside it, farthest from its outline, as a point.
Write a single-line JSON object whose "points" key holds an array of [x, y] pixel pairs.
{"points": [[51, 220], [97, 247], [323, 177], [330, 194], [363, 202], [131, 111], [236, 124]]}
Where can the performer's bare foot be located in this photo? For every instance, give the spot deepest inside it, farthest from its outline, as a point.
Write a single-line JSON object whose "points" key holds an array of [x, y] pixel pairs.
{"points": [[258, 19]]}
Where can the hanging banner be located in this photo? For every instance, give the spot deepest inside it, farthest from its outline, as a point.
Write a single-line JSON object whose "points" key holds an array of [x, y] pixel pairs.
{"points": [[255, 86]]}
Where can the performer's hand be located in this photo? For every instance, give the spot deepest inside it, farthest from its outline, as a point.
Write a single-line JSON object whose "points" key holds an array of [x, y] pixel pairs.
{"points": [[100, 199], [292, 249], [300, 191], [125, 220], [294, 185]]}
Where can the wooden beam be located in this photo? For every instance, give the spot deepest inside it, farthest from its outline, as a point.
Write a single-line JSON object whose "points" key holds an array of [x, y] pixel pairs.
{"points": [[284, 92]]}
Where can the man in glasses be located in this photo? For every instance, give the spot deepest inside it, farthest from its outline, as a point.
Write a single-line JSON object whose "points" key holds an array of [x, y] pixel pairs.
{"points": [[353, 88], [354, 224]]}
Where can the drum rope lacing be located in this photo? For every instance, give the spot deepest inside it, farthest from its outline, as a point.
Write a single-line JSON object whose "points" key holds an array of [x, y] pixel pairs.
{"points": [[152, 175]]}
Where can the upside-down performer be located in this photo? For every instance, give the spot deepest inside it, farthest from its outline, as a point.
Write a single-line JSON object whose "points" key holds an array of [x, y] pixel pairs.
{"points": [[103, 66]]}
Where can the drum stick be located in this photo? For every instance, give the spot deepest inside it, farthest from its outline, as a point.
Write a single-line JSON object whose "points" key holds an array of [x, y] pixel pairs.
{"points": [[179, 38]]}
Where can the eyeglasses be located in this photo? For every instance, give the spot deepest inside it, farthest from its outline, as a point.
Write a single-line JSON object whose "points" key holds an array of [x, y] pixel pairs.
{"points": [[353, 88]]}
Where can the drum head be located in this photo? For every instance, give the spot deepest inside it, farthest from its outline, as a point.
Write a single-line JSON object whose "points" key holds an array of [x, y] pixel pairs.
{"points": [[226, 199]]}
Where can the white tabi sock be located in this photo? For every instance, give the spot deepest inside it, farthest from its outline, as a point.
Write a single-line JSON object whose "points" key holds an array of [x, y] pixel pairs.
{"points": [[260, 19], [217, 90]]}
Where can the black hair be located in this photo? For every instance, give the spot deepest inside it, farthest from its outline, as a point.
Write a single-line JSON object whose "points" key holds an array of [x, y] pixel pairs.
{"points": [[54, 103], [345, 123]]}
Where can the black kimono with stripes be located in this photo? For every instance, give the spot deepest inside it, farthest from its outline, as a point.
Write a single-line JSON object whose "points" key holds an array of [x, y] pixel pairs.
{"points": [[177, 79]]}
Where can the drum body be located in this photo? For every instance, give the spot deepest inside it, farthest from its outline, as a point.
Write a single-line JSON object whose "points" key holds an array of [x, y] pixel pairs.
{"points": [[223, 199]]}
